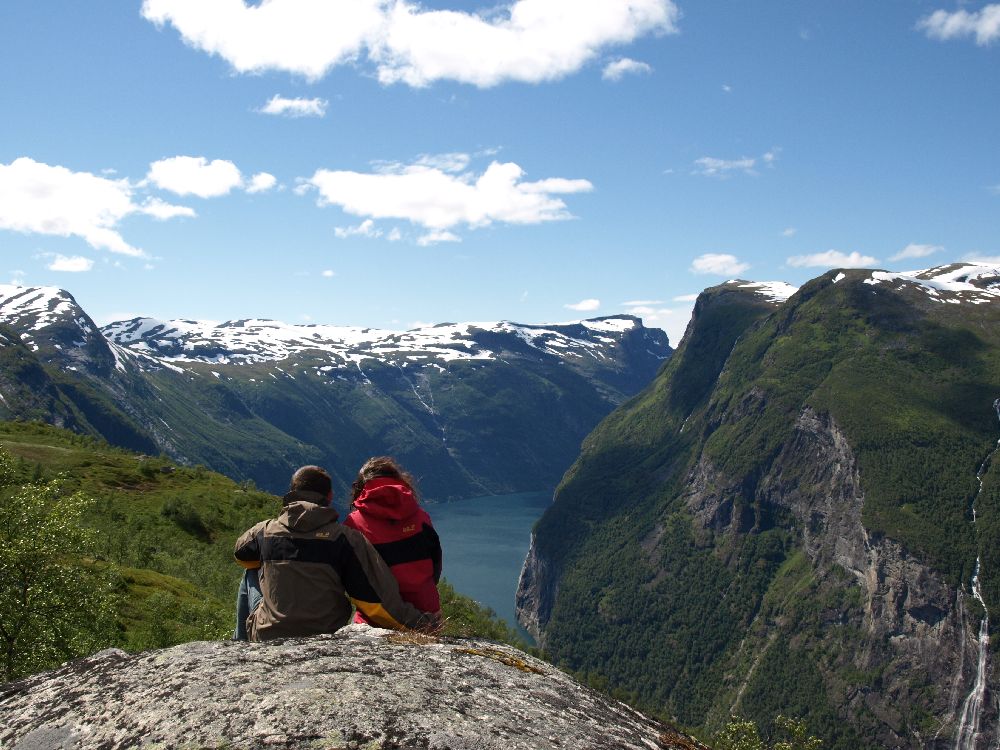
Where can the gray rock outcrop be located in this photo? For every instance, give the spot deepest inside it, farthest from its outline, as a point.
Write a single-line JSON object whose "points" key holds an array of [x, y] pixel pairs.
{"points": [[360, 688]]}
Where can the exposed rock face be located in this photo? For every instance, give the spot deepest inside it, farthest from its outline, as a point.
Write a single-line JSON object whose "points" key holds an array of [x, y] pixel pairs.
{"points": [[359, 688], [917, 632], [535, 593]]}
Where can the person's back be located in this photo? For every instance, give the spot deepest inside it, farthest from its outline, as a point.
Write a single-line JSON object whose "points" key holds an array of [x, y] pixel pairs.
{"points": [[311, 569], [385, 509]]}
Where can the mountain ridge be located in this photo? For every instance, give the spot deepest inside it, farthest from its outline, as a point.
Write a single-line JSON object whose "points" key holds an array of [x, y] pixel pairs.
{"points": [[459, 404]]}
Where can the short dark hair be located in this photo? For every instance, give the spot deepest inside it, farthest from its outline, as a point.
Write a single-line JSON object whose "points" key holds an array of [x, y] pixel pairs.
{"points": [[311, 479]]}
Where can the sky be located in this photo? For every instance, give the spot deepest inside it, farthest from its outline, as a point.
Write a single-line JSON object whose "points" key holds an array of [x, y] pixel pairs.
{"points": [[391, 164]]}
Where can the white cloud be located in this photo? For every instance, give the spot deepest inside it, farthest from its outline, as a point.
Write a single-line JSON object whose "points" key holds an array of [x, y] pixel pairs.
{"points": [[686, 298], [437, 236], [365, 229], [642, 303], [300, 36], [789, 232], [584, 305], [615, 71], [990, 260], [328, 274], [710, 166], [983, 25], [195, 175], [832, 259], [528, 40], [439, 200], [42, 199], [727, 88], [395, 235], [298, 107], [75, 264], [720, 264], [916, 251], [453, 162], [261, 183], [162, 210]]}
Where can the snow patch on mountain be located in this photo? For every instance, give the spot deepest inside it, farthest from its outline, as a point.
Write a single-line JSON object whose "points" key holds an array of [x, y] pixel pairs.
{"points": [[774, 291], [44, 305], [256, 341], [976, 283]]}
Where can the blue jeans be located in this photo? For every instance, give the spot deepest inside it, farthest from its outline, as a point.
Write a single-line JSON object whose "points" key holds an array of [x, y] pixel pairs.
{"points": [[247, 600]]}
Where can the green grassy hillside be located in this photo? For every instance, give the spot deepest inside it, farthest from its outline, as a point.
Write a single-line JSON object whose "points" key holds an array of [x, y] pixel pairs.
{"points": [[163, 538]]}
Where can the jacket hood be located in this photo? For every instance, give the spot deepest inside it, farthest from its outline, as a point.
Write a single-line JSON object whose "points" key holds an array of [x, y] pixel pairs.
{"points": [[388, 498], [305, 511]]}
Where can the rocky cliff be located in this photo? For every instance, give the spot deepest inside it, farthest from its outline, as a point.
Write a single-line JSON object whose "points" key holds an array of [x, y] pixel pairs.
{"points": [[359, 688], [801, 515]]}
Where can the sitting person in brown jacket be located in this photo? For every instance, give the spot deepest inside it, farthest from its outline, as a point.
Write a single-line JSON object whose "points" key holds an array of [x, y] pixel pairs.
{"points": [[310, 570]]}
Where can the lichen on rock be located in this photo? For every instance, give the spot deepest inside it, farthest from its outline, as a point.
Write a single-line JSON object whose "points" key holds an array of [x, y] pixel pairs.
{"points": [[360, 688]]}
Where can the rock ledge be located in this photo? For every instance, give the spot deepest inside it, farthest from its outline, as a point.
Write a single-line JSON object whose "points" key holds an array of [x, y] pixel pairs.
{"points": [[360, 688]]}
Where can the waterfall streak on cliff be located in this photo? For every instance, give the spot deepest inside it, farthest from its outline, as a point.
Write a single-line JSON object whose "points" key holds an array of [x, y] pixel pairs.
{"points": [[968, 724]]}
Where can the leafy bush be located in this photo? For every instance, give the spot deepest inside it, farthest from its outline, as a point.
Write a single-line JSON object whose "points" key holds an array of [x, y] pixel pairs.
{"points": [[741, 734], [53, 605]]}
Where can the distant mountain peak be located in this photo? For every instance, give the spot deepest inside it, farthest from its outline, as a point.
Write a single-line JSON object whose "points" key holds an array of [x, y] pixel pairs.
{"points": [[44, 304]]}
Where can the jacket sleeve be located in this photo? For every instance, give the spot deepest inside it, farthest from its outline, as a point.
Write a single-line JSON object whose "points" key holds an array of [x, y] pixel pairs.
{"points": [[435, 545], [373, 589], [248, 547]]}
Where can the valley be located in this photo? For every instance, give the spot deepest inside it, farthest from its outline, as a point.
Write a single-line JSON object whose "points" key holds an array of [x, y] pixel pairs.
{"points": [[471, 409]]}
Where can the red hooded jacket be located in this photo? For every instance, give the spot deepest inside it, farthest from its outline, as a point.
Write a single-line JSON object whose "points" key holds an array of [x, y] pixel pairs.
{"points": [[387, 514]]}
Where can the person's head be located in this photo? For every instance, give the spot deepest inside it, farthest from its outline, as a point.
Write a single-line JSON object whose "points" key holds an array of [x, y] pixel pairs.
{"points": [[380, 467], [312, 479]]}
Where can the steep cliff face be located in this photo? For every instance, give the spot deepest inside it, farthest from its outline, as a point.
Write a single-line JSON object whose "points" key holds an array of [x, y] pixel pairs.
{"points": [[895, 616], [800, 535], [359, 688]]}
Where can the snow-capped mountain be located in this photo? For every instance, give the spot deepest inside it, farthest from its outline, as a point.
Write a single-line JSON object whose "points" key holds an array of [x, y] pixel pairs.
{"points": [[256, 341], [473, 408]]}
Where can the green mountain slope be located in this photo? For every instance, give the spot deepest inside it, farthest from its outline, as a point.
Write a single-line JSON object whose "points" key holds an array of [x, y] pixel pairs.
{"points": [[470, 409], [782, 522]]}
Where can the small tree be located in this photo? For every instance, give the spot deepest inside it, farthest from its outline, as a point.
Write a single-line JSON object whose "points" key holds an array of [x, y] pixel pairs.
{"points": [[742, 734], [53, 604]]}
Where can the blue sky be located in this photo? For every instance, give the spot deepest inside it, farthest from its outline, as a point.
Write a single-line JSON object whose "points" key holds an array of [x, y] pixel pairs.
{"points": [[382, 163]]}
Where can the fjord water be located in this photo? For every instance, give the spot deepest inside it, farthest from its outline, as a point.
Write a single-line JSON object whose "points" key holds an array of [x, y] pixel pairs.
{"points": [[484, 541]]}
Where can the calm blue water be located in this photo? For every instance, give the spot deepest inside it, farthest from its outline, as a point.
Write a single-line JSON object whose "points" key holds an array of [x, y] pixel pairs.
{"points": [[484, 541]]}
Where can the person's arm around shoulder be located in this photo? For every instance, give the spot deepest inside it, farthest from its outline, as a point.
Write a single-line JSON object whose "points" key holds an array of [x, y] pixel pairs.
{"points": [[248, 546], [373, 588]]}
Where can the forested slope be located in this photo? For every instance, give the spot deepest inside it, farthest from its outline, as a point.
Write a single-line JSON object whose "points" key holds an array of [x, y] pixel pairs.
{"points": [[783, 521]]}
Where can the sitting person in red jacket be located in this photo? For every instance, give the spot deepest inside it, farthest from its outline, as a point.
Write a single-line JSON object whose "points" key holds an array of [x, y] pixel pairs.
{"points": [[385, 509]]}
